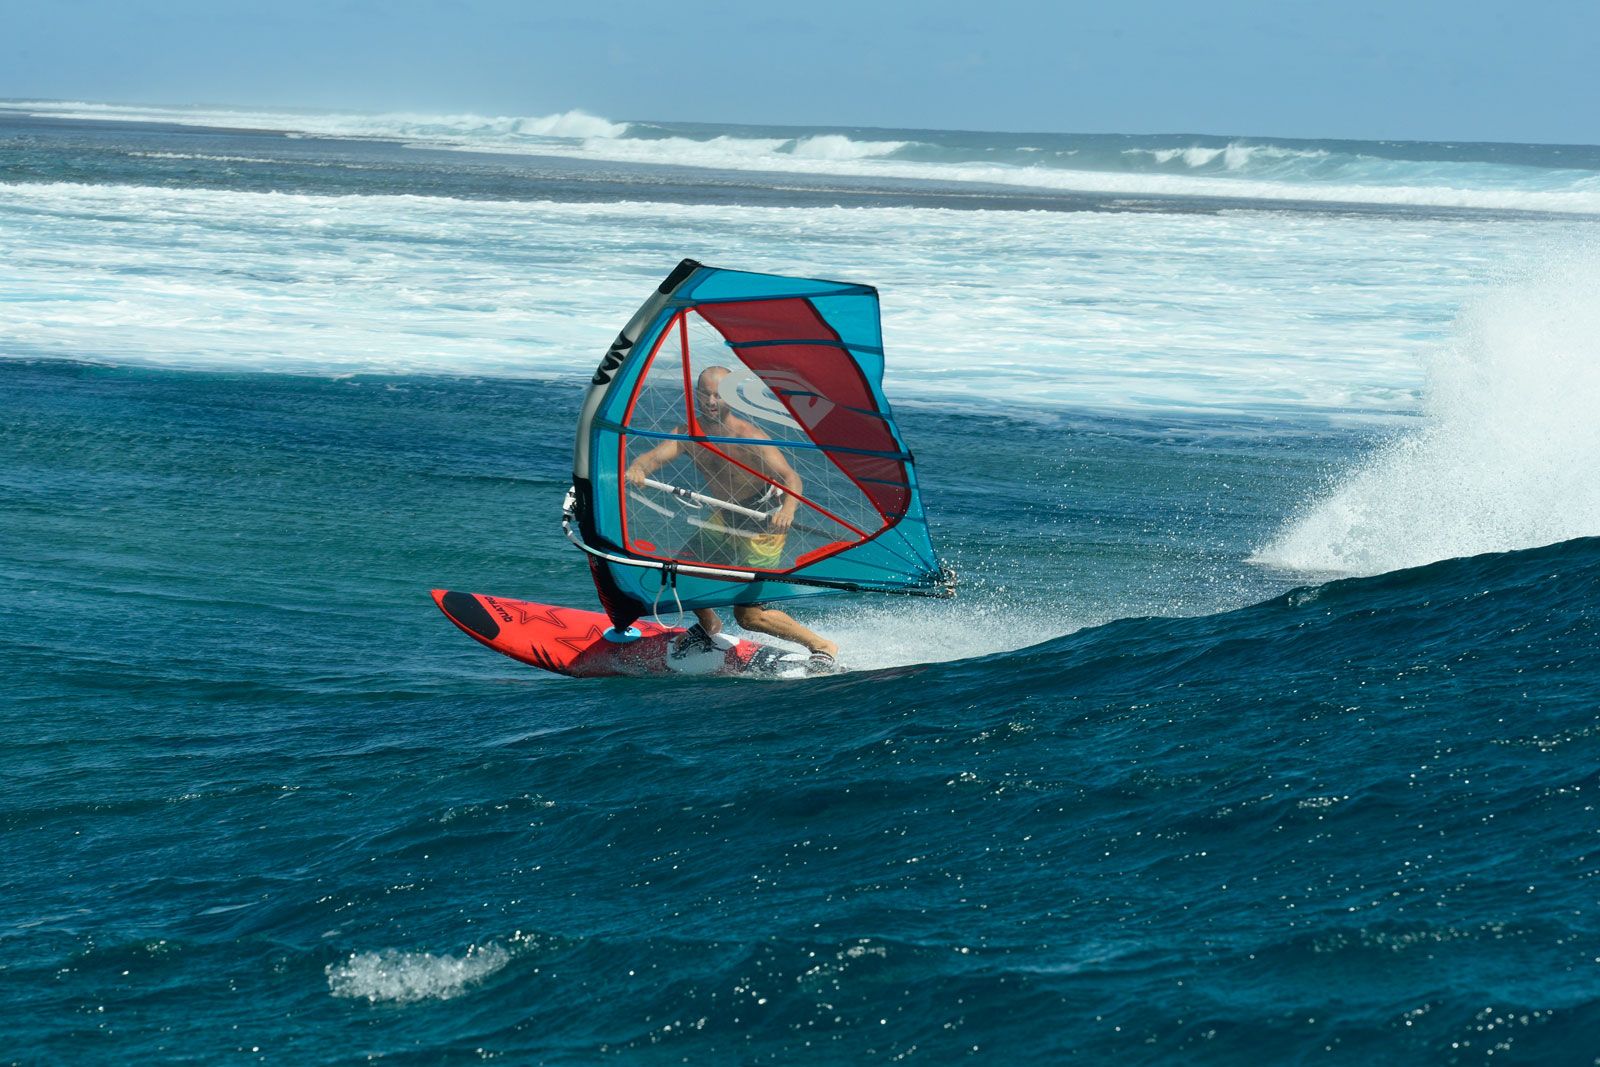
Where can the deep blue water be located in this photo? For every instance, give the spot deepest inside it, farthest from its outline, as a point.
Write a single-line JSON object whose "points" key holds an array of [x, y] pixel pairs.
{"points": [[259, 798]]}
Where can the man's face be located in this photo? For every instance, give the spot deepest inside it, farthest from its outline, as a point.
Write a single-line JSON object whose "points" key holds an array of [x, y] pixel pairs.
{"points": [[708, 401]]}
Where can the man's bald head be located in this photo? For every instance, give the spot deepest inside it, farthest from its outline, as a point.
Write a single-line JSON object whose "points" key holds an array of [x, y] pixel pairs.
{"points": [[708, 394]]}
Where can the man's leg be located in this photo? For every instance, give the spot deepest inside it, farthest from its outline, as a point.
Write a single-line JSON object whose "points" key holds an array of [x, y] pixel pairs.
{"points": [[709, 625], [771, 621]]}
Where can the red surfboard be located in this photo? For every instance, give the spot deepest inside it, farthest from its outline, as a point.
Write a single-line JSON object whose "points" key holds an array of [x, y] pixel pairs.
{"points": [[572, 642]]}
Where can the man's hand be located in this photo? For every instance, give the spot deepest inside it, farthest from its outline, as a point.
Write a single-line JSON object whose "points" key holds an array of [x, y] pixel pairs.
{"points": [[781, 520], [635, 477]]}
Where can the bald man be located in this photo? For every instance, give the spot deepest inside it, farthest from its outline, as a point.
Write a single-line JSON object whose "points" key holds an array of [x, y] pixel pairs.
{"points": [[733, 538]]}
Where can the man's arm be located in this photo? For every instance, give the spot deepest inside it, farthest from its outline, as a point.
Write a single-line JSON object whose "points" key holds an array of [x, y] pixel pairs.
{"points": [[644, 466], [777, 468], [770, 462]]}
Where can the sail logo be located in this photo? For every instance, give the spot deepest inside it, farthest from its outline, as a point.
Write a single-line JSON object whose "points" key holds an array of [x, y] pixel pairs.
{"points": [[757, 398], [614, 357]]}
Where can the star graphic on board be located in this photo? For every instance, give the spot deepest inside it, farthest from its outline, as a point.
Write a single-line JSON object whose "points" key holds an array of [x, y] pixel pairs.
{"points": [[548, 615], [578, 644]]}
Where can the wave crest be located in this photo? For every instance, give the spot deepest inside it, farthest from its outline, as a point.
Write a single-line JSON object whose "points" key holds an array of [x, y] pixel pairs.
{"points": [[575, 124], [838, 146], [1235, 156]]}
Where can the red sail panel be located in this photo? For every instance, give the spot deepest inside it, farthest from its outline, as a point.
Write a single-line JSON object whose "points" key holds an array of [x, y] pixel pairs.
{"points": [[818, 380]]}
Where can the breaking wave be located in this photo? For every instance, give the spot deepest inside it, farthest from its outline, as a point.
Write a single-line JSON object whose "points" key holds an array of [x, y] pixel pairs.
{"points": [[1505, 456]]}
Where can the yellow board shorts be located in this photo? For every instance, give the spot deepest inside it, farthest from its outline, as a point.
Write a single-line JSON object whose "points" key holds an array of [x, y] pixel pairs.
{"points": [[731, 541]]}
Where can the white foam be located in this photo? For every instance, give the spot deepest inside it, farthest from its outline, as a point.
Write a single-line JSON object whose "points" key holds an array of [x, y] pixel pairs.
{"points": [[205, 157], [883, 632], [1506, 456], [405, 977], [837, 146], [1580, 193], [578, 135], [459, 129], [726, 153], [1235, 156], [1193, 156], [571, 124], [1116, 311]]}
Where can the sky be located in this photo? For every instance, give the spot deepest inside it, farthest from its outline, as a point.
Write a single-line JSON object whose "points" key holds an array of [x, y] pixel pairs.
{"points": [[1427, 69]]}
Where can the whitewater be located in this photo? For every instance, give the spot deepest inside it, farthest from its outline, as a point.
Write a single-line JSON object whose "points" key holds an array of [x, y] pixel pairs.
{"points": [[1397, 174]]}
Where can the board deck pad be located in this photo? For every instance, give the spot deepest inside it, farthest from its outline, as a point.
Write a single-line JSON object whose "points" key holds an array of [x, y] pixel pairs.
{"points": [[572, 641]]}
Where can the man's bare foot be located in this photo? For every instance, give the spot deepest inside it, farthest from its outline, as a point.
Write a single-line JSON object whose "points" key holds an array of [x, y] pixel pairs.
{"points": [[821, 663]]}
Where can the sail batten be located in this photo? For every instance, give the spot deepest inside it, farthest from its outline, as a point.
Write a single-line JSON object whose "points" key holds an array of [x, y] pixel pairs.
{"points": [[663, 436]]}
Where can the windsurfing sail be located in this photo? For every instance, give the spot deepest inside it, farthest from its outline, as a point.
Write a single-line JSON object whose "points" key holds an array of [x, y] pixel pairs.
{"points": [[735, 446]]}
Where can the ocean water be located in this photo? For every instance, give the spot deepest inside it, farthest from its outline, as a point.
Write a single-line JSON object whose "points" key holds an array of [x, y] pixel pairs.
{"points": [[1264, 728]]}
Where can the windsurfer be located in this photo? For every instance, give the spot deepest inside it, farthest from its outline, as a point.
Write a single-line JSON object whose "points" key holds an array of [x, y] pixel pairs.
{"points": [[749, 476]]}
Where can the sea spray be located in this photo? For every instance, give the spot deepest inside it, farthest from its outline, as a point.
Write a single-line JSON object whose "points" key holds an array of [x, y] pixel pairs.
{"points": [[1507, 453]]}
